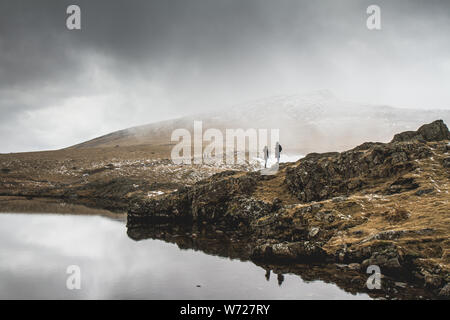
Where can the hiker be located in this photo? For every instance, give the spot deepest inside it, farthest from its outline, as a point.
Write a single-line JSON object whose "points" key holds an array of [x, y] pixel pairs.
{"points": [[278, 149], [266, 156]]}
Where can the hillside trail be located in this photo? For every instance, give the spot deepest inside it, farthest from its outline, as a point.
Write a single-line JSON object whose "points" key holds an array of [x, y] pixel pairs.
{"points": [[273, 187]]}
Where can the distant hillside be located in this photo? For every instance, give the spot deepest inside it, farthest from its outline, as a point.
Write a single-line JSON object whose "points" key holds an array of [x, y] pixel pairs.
{"points": [[314, 122]]}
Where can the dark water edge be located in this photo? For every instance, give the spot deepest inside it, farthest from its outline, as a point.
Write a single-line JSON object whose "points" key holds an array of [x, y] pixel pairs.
{"points": [[159, 261]]}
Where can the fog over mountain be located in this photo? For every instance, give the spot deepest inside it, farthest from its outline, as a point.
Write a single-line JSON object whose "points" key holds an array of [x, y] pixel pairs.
{"points": [[317, 121], [144, 61]]}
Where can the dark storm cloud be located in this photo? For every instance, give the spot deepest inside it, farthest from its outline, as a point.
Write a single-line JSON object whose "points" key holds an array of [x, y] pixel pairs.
{"points": [[141, 61]]}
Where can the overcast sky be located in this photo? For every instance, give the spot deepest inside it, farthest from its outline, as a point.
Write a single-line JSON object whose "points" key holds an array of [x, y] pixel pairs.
{"points": [[136, 62]]}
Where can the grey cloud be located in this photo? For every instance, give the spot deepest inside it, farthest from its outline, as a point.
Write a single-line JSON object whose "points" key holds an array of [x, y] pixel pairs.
{"points": [[135, 62]]}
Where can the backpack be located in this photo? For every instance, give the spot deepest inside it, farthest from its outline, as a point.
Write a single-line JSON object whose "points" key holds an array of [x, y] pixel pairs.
{"points": [[279, 148]]}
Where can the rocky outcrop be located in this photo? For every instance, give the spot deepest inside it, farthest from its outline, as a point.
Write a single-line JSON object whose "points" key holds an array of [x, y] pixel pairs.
{"points": [[322, 176], [213, 199], [435, 131]]}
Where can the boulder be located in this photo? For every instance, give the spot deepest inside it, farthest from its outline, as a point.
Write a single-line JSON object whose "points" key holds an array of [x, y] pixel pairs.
{"points": [[435, 131]]}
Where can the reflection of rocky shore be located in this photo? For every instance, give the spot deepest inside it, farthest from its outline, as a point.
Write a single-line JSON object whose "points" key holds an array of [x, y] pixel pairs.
{"points": [[192, 237], [224, 245], [383, 204]]}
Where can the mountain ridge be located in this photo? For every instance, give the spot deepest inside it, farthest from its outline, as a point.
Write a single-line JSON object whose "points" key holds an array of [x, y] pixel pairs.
{"points": [[312, 122]]}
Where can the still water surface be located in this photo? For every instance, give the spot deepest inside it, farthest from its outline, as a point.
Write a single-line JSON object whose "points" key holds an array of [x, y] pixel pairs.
{"points": [[36, 249]]}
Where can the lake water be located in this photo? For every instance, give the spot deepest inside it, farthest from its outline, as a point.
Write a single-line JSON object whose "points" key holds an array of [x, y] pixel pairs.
{"points": [[36, 250]]}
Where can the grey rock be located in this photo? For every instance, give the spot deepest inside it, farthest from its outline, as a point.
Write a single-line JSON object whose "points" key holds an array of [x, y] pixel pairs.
{"points": [[339, 199], [400, 284], [432, 280], [393, 263], [445, 291], [313, 232], [354, 266], [446, 163]]}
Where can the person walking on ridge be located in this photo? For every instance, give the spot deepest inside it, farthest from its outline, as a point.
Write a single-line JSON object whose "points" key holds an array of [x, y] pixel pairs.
{"points": [[266, 156], [278, 149]]}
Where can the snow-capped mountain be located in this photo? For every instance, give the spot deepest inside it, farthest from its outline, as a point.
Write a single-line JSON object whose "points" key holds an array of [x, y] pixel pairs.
{"points": [[317, 121]]}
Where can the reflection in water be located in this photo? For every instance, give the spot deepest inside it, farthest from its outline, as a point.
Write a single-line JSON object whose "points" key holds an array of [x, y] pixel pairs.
{"points": [[228, 245], [51, 206], [35, 251]]}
